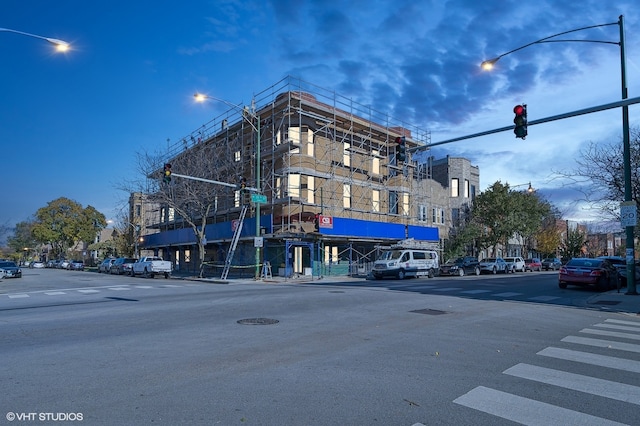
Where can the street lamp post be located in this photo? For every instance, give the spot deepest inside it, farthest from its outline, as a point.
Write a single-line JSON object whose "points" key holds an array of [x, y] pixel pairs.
{"points": [[628, 195], [249, 115], [530, 189], [61, 46]]}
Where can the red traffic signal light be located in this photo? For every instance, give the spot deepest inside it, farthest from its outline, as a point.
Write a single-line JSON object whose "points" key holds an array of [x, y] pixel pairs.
{"points": [[520, 121], [167, 173]]}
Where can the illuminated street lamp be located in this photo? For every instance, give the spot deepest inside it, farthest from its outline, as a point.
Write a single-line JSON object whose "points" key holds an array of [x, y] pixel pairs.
{"points": [[60, 45], [530, 189], [249, 115], [628, 195]]}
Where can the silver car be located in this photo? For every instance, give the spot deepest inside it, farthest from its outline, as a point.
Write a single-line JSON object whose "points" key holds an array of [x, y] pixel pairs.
{"points": [[493, 265]]}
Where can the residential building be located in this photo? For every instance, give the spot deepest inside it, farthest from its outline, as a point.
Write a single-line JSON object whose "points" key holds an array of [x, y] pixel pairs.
{"points": [[337, 187]]}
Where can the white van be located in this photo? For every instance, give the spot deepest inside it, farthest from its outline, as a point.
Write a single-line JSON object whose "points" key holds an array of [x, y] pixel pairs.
{"points": [[401, 263]]}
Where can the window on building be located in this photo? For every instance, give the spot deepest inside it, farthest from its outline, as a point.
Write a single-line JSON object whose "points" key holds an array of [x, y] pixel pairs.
{"points": [[466, 188], [138, 211], [437, 216], [393, 202], [346, 196], [172, 214], [455, 216], [277, 191], [375, 162], [405, 204], [310, 146], [375, 200], [311, 190], [237, 156], [293, 188], [346, 154], [455, 190], [422, 213]]}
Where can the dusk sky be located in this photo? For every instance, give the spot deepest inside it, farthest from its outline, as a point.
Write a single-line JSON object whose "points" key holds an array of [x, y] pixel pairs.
{"points": [[71, 123]]}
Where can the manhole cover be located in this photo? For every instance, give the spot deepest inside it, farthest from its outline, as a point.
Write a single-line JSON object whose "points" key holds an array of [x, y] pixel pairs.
{"points": [[429, 312], [258, 321]]}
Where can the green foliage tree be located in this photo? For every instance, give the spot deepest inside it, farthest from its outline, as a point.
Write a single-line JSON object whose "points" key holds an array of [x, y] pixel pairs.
{"points": [[573, 243], [22, 237], [64, 222], [500, 212]]}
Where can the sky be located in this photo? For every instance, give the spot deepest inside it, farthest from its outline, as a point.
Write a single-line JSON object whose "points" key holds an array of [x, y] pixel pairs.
{"points": [[72, 123]]}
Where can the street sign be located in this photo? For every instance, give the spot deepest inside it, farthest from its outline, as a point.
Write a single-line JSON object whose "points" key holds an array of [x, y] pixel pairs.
{"points": [[258, 198], [628, 214], [258, 242]]}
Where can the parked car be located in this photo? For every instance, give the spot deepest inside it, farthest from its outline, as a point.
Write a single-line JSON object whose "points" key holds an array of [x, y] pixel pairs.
{"points": [[76, 265], [122, 265], [64, 264], [36, 264], [551, 263], [493, 265], [461, 266], [515, 264], [105, 266], [52, 263], [588, 271], [532, 264], [9, 269]]}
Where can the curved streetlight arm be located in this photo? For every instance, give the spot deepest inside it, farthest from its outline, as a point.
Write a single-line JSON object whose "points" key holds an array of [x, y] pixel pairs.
{"points": [[60, 44], [201, 97], [489, 62]]}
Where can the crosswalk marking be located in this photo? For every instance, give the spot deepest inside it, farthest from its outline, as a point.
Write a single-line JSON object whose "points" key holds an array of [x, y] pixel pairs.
{"points": [[119, 288], [526, 411], [88, 291], [611, 344], [624, 322], [593, 359], [54, 293], [611, 333], [578, 382], [618, 327]]}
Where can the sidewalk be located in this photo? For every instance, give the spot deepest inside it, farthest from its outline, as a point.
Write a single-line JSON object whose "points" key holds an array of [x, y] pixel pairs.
{"points": [[616, 301]]}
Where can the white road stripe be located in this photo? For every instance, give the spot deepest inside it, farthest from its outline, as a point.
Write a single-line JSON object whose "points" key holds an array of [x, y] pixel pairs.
{"points": [[88, 291], [629, 347], [526, 411], [143, 286], [611, 333], [592, 359], [54, 293], [615, 321], [18, 296], [618, 327], [578, 382], [119, 288]]}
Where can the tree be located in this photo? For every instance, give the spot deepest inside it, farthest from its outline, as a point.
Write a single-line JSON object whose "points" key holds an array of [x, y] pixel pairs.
{"points": [[22, 237], [600, 175], [501, 212], [194, 201], [573, 244], [64, 222]]}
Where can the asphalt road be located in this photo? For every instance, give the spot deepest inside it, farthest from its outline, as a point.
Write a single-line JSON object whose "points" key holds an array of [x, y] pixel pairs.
{"points": [[494, 350]]}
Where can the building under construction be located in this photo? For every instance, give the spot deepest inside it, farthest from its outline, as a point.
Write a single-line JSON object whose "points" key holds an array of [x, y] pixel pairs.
{"points": [[324, 183]]}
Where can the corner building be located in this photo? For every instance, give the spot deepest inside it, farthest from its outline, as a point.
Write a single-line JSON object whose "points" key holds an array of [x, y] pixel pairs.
{"points": [[336, 191]]}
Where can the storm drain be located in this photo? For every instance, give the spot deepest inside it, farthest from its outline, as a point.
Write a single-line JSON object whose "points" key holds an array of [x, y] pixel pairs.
{"points": [[429, 312], [258, 321]]}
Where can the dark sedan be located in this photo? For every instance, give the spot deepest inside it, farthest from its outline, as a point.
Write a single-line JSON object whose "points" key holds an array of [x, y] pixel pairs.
{"points": [[586, 271], [9, 269], [122, 265], [76, 265], [461, 266]]}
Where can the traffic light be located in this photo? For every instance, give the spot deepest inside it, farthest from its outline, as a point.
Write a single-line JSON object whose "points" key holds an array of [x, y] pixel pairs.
{"points": [[316, 223], [167, 173], [401, 149], [520, 121], [243, 184]]}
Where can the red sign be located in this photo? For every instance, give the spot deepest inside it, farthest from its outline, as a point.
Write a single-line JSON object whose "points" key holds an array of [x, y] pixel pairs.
{"points": [[325, 222]]}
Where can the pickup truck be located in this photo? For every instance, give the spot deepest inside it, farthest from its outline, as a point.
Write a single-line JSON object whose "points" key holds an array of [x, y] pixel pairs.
{"points": [[150, 266]]}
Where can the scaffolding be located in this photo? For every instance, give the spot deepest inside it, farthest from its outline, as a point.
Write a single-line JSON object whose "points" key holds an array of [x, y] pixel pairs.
{"points": [[321, 153]]}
